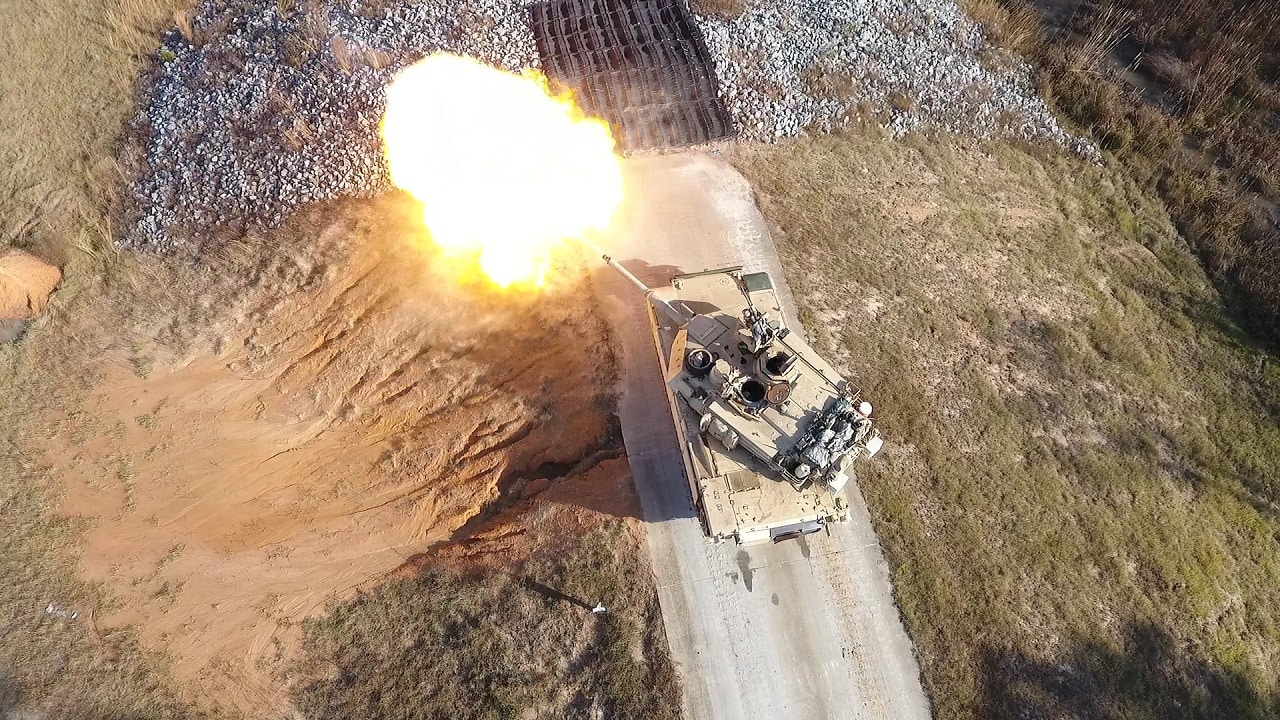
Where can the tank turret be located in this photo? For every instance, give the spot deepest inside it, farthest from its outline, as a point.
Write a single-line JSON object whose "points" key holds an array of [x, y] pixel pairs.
{"points": [[770, 431]]}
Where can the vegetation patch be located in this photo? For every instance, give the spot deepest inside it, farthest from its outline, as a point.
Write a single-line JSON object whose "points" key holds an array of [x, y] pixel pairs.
{"points": [[66, 76], [498, 644], [1079, 492], [1187, 96]]}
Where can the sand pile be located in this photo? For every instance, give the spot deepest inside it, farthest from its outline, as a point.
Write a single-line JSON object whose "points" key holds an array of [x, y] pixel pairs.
{"points": [[25, 284], [355, 410]]}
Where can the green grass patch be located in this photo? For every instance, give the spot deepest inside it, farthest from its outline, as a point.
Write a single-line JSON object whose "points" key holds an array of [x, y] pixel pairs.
{"points": [[1186, 96], [491, 645], [1078, 496]]}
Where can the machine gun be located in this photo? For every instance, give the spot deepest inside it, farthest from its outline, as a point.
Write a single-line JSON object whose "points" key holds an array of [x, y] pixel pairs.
{"points": [[759, 333]]}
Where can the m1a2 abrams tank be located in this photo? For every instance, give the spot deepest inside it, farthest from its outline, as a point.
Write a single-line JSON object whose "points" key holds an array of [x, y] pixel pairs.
{"points": [[768, 429]]}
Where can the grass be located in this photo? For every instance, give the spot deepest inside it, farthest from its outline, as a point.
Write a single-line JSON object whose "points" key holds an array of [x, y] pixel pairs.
{"points": [[726, 9], [66, 668], [497, 644], [1187, 97], [67, 75], [1079, 497]]}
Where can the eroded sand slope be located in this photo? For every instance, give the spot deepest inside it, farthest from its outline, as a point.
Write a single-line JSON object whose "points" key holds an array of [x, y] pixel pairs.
{"points": [[351, 407]]}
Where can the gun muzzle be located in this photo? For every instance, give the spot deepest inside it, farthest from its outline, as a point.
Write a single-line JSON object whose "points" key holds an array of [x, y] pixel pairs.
{"points": [[662, 306], [627, 274]]}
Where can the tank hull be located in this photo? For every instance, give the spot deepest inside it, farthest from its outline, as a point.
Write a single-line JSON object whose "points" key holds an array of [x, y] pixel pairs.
{"points": [[741, 492]]}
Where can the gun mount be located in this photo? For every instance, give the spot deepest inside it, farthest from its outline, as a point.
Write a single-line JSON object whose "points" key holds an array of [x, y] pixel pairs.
{"points": [[768, 429]]}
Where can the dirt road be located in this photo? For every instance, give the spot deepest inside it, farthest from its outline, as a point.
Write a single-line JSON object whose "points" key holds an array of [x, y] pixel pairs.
{"points": [[797, 630]]}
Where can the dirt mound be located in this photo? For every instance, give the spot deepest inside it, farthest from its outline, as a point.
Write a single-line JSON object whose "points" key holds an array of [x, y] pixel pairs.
{"points": [[25, 284], [324, 435]]}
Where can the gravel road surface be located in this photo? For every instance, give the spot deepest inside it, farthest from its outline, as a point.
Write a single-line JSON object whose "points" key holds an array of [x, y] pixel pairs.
{"points": [[805, 629]]}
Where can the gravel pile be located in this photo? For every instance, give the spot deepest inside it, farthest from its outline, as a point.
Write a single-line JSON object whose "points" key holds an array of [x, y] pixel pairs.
{"points": [[249, 114], [256, 113], [787, 66]]}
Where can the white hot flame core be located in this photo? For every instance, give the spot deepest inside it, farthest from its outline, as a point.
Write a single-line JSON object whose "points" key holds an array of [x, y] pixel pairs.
{"points": [[505, 170]]}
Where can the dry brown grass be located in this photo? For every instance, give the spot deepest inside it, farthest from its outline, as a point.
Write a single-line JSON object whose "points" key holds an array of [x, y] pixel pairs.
{"points": [[182, 19], [1080, 493], [727, 9], [499, 644], [1015, 26], [1188, 96], [66, 75]]}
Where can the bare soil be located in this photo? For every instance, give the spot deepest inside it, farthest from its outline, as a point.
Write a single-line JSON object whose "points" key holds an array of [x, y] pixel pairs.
{"points": [[25, 283], [273, 446]]}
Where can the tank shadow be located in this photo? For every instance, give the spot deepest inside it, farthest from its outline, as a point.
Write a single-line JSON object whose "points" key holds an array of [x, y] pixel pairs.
{"points": [[653, 451], [654, 276]]}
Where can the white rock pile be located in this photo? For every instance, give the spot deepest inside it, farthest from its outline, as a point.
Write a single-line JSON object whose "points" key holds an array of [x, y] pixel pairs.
{"points": [[256, 113], [788, 66]]}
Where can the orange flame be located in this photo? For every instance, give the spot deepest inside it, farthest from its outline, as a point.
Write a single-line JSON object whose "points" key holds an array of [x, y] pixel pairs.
{"points": [[506, 171]]}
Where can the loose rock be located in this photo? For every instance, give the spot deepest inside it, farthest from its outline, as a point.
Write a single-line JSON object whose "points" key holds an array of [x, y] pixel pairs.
{"points": [[260, 112]]}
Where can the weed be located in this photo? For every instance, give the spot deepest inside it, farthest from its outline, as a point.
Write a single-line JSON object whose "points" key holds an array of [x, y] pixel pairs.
{"points": [[1082, 452], [266, 605], [491, 644], [727, 9], [169, 590], [141, 362], [173, 553], [901, 101]]}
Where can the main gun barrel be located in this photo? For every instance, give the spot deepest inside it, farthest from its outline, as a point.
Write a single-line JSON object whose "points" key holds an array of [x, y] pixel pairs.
{"points": [[627, 274], [662, 306]]}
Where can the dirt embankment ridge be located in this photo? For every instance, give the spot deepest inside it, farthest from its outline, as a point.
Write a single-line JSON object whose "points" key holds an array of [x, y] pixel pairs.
{"points": [[353, 407]]}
